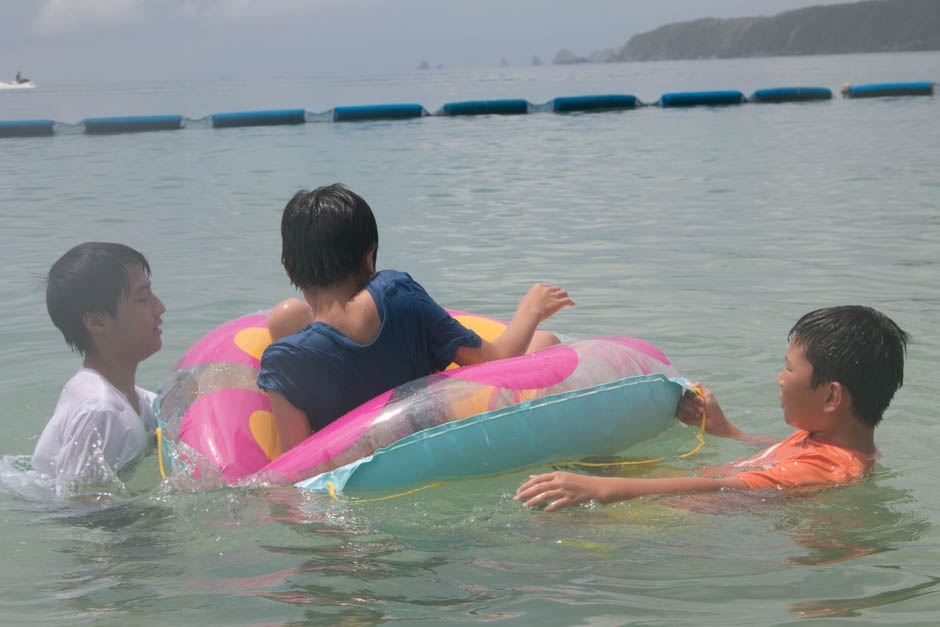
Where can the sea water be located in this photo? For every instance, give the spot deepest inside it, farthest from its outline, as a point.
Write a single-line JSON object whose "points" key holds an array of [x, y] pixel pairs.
{"points": [[706, 231]]}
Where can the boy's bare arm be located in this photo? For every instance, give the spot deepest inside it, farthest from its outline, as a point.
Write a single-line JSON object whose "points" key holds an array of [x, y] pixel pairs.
{"points": [[291, 423], [565, 489], [540, 302], [690, 409]]}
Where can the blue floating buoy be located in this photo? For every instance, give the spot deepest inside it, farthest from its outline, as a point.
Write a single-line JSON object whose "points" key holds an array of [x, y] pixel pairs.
{"points": [[26, 128], [875, 90], [484, 107], [594, 103], [377, 112], [695, 98], [791, 94], [133, 124], [259, 118]]}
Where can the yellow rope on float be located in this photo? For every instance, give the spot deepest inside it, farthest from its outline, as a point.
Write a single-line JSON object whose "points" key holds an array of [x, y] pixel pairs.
{"points": [[381, 498], [159, 433], [698, 436]]}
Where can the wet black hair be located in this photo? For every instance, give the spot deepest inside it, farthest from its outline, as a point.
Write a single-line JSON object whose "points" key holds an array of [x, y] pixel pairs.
{"points": [[858, 347], [325, 234], [89, 278]]}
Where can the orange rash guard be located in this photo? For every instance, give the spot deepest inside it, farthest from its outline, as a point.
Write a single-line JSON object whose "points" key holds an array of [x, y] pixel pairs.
{"points": [[802, 460]]}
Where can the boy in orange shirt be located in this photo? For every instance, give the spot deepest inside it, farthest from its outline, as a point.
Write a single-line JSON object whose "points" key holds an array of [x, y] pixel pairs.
{"points": [[843, 366]]}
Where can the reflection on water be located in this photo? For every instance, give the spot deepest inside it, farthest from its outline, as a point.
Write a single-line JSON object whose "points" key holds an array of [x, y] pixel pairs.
{"points": [[846, 608], [109, 558], [841, 524]]}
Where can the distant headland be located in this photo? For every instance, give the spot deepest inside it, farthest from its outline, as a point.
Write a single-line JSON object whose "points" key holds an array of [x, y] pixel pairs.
{"points": [[871, 26]]}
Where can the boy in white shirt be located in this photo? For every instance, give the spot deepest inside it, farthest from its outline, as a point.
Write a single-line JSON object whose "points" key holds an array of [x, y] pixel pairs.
{"points": [[99, 295]]}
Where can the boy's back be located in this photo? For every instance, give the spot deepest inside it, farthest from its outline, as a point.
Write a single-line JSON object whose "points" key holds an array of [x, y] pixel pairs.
{"points": [[324, 373]]}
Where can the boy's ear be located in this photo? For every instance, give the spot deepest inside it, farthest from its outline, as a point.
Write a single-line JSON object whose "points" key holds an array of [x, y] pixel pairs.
{"points": [[94, 322], [836, 396], [368, 261]]}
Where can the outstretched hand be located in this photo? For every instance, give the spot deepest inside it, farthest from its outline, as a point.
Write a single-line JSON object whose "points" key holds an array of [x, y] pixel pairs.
{"points": [[545, 300], [558, 489]]}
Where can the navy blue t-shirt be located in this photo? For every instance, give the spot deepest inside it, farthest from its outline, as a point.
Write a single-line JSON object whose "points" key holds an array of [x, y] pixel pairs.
{"points": [[325, 374]]}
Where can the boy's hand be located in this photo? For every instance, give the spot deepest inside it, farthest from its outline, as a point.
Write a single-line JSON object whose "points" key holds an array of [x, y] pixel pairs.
{"points": [[558, 489], [690, 409], [545, 300], [691, 405]]}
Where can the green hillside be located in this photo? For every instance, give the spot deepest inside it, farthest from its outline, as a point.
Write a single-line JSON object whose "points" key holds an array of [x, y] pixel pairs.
{"points": [[873, 26]]}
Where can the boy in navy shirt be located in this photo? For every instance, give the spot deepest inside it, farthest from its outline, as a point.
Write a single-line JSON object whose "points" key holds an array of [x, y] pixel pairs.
{"points": [[370, 331]]}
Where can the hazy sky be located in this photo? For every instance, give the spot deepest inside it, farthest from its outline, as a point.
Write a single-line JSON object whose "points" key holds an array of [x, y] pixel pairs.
{"points": [[76, 40]]}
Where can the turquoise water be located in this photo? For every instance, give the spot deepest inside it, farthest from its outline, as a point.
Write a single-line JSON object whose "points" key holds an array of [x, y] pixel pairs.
{"points": [[705, 231]]}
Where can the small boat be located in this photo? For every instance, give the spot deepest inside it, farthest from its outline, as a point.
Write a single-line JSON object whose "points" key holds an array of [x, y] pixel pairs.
{"points": [[15, 85], [20, 82]]}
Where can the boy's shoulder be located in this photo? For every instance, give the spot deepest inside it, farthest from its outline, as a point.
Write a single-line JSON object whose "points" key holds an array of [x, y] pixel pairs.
{"points": [[802, 459], [799, 444], [392, 290], [89, 397], [86, 405], [94, 427], [89, 390], [394, 283], [391, 278]]}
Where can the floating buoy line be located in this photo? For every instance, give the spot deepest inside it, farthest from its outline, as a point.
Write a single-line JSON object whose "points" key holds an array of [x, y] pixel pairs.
{"points": [[511, 106]]}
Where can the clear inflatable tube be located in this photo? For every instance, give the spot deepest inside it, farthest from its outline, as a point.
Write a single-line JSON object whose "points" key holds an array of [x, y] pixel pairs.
{"points": [[586, 398]]}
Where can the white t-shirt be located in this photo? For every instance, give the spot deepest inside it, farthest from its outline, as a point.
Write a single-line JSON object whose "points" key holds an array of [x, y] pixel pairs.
{"points": [[94, 432]]}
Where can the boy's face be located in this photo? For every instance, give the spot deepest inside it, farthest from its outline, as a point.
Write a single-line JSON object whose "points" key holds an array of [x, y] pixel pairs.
{"points": [[802, 404], [136, 328]]}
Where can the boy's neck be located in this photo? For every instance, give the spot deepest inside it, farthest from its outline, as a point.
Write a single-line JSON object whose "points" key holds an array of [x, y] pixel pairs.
{"points": [[850, 433], [347, 307], [121, 375], [327, 301]]}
